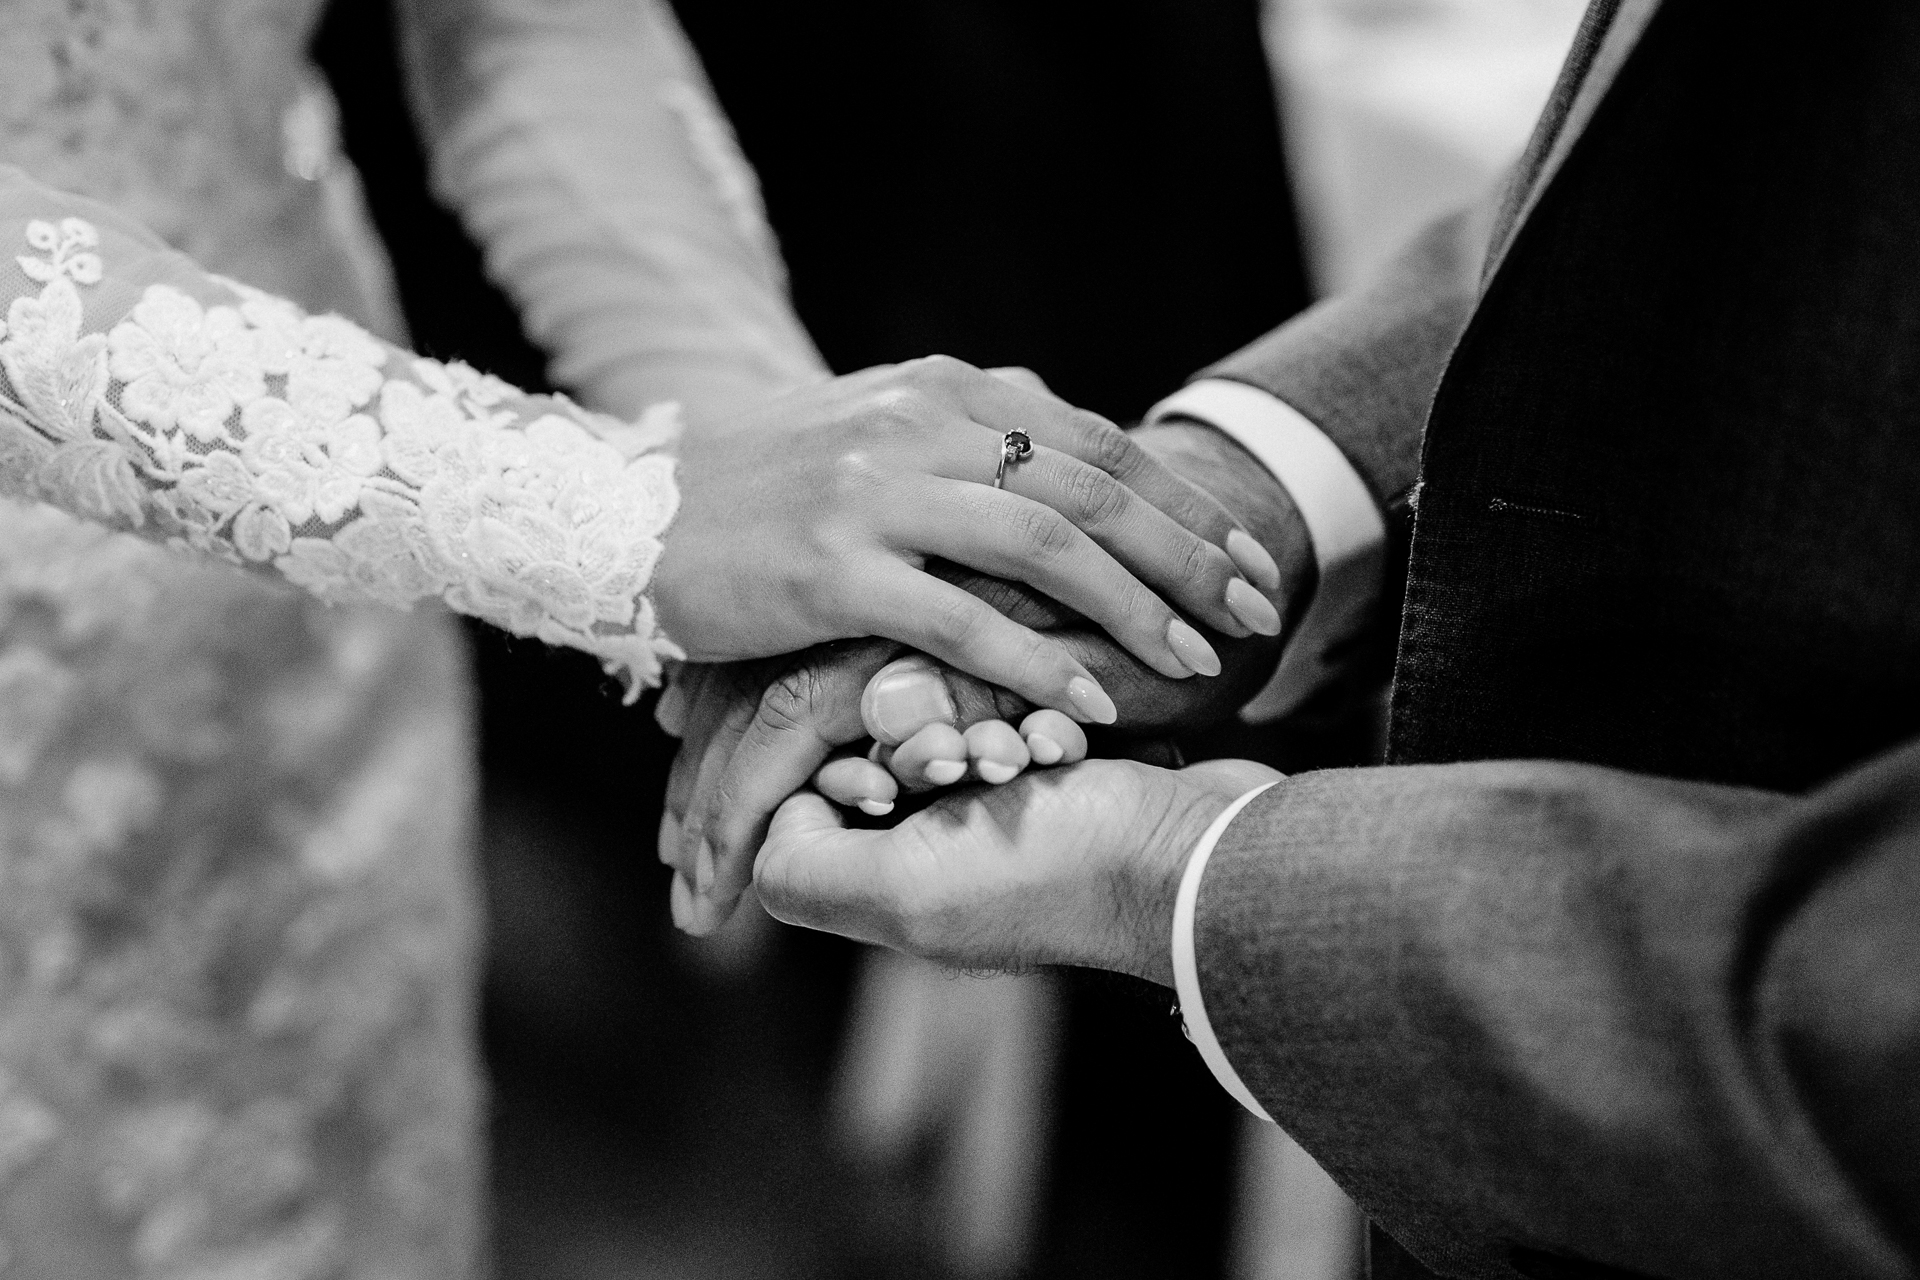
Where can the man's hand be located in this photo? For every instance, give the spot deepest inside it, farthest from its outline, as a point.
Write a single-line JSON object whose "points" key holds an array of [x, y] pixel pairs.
{"points": [[756, 732], [1075, 866], [752, 733]]}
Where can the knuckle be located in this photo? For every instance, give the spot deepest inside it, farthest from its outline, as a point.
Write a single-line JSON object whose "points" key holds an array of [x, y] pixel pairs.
{"points": [[1105, 445], [955, 620], [789, 703], [891, 412], [853, 476], [1098, 497], [1038, 663], [1045, 533], [938, 369], [1201, 561]]}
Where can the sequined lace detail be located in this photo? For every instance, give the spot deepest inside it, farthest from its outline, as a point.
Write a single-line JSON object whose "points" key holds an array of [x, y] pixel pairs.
{"points": [[246, 429]]}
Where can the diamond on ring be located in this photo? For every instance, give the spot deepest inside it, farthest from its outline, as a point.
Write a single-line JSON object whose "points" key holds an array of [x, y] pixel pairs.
{"points": [[1015, 446]]}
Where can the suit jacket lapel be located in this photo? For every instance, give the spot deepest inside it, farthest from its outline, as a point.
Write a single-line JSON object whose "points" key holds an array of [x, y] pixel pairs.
{"points": [[1606, 37]]}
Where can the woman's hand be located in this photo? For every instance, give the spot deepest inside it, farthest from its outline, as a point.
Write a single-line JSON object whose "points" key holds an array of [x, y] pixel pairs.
{"points": [[815, 520]]}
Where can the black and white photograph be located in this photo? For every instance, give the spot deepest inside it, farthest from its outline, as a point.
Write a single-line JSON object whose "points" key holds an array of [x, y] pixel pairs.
{"points": [[959, 640]]}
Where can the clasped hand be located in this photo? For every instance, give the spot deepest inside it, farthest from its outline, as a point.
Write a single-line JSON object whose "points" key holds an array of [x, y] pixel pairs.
{"points": [[816, 519], [756, 733]]}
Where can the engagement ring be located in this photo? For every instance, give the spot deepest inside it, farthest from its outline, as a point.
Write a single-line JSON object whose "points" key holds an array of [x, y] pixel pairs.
{"points": [[1015, 446]]}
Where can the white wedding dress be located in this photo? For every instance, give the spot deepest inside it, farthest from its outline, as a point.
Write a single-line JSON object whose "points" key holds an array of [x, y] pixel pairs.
{"points": [[237, 913]]}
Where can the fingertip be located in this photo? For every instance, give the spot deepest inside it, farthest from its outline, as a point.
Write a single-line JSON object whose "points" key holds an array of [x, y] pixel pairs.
{"points": [[1053, 738], [944, 773], [680, 902], [1091, 701], [999, 755], [855, 782], [1254, 560], [1191, 649], [670, 710], [904, 697], [1253, 611], [935, 756]]}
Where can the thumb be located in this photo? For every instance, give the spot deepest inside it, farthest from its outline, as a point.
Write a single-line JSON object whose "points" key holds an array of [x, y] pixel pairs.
{"points": [[813, 871], [802, 820], [911, 693]]}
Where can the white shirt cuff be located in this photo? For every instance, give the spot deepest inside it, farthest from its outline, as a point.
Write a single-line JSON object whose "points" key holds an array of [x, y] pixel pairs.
{"points": [[1348, 534], [1186, 966]]}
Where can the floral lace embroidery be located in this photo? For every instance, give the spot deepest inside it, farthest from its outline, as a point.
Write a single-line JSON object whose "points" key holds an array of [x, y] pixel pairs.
{"points": [[262, 435]]}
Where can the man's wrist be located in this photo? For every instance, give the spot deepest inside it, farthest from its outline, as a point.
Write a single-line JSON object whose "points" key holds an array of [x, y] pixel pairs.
{"points": [[1147, 880]]}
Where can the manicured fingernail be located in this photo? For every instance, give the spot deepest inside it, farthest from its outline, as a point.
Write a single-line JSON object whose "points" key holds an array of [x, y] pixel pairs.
{"points": [[703, 870], [995, 772], [1255, 611], [1045, 750], [876, 808], [669, 838], [1091, 700], [680, 902], [944, 773], [1252, 559], [1192, 649], [904, 698]]}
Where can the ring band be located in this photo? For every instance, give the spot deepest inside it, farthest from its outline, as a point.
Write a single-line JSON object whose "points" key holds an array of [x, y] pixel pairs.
{"points": [[1015, 446]]}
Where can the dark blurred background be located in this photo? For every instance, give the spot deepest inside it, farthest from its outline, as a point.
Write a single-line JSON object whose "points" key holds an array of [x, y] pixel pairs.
{"points": [[1094, 190]]}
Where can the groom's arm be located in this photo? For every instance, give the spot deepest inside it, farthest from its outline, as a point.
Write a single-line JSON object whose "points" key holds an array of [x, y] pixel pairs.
{"points": [[1529, 1008], [1362, 366], [1332, 405]]}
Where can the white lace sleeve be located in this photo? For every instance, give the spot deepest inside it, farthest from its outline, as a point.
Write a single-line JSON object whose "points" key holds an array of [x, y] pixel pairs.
{"points": [[581, 144], [137, 391]]}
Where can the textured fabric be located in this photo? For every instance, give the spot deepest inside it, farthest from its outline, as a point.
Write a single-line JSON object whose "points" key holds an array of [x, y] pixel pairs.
{"points": [[1661, 1026], [238, 951], [1666, 511], [1362, 366], [582, 147], [1540, 1017], [1186, 964], [143, 394], [238, 918]]}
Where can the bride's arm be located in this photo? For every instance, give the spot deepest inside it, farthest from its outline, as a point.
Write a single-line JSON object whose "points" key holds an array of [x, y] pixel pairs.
{"points": [[580, 143], [139, 391]]}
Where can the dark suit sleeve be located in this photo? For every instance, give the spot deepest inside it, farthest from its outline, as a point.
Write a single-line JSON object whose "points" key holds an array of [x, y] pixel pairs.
{"points": [[1363, 365], [1540, 1016]]}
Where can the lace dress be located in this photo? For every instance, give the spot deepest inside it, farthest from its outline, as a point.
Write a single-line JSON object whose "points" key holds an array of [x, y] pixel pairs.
{"points": [[237, 913]]}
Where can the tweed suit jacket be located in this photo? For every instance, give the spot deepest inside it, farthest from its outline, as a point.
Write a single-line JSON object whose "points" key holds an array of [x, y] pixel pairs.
{"points": [[1614, 969]]}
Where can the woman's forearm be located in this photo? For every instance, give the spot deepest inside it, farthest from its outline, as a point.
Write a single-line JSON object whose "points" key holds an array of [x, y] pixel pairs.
{"points": [[145, 394], [582, 146]]}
